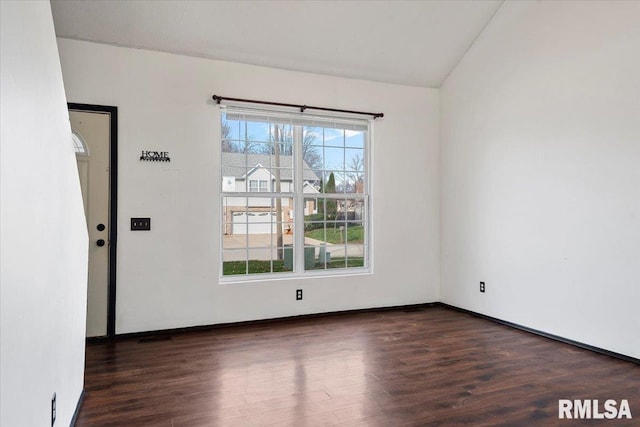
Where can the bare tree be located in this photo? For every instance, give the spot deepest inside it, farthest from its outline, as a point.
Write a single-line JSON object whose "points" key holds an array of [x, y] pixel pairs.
{"points": [[248, 145], [309, 151], [227, 144], [356, 169], [285, 144]]}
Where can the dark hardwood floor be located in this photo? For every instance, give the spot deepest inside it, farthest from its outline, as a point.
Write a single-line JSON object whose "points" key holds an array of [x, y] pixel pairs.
{"points": [[431, 366]]}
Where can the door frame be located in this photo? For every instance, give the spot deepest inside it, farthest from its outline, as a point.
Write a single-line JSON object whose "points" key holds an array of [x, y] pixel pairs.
{"points": [[113, 204]]}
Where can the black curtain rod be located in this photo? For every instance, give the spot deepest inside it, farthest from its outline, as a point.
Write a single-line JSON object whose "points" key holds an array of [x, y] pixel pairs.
{"points": [[219, 99]]}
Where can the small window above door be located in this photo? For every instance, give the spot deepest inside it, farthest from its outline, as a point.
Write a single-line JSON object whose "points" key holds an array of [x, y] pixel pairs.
{"points": [[79, 146]]}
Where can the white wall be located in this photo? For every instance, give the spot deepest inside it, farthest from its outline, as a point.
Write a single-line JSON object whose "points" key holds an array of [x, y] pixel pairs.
{"points": [[43, 234], [541, 172], [168, 277]]}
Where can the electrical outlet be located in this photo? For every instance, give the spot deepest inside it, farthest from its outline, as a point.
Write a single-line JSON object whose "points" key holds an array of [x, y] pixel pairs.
{"points": [[53, 409], [482, 287], [298, 294]]}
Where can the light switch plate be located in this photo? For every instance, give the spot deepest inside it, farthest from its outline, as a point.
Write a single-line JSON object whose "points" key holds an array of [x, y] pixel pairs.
{"points": [[140, 224]]}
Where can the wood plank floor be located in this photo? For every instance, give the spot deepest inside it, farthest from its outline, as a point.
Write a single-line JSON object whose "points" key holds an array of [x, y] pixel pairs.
{"points": [[431, 366]]}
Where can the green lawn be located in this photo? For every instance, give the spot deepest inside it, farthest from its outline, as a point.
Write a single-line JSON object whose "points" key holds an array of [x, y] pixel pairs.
{"points": [[231, 268], [339, 263], [355, 234], [240, 267]]}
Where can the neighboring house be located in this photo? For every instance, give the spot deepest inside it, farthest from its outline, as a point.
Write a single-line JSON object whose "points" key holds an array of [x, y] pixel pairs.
{"points": [[255, 173]]}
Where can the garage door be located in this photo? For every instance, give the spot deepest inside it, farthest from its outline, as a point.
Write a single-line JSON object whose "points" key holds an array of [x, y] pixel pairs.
{"points": [[259, 222]]}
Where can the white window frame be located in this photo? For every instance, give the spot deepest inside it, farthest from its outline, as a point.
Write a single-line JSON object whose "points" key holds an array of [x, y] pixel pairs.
{"points": [[259, 188], [79, 145], [298, 196]]}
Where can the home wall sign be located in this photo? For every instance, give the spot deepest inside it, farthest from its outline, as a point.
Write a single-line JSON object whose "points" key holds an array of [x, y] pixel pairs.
{"points": [[155, 156]]}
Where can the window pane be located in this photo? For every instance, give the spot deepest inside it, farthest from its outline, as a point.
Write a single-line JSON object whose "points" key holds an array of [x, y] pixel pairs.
{"points": [[333, 137], [313, 211], [353, 210], [354, 160], [315, 257], [234, 262], [257, 132], [313, 136], [284, 259], [233, 132], [230, 181], [355, 255], [233, 135], [354, 232], [334, 232], [333, 182], [285, 175], [314, 233], [234, 241], [281, 133], [259, 240], [341, 182], [355, 139], [273, 156], [334, 158], [345, 256], [260, 147]]}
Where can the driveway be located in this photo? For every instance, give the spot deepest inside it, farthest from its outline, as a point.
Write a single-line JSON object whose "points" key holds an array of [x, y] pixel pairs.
{"points": [[261, 249]]}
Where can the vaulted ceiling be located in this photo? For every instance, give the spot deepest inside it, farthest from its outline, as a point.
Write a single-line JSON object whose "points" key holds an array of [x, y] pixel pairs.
{"points": [[414, 43]]}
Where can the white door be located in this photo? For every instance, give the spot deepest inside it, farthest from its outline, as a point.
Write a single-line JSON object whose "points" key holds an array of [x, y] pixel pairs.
{"points": [[91, 139]]}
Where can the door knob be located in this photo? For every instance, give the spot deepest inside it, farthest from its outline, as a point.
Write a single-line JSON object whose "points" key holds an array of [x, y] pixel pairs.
{"points": [[100, 242]]}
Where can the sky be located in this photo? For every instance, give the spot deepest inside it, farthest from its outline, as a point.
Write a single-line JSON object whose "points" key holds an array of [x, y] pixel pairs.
{"points": [[337, 147]]}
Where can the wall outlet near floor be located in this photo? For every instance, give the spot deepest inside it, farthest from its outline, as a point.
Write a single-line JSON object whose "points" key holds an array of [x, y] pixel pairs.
{"points": [[298, 294], [482, 287], [53, 409]]}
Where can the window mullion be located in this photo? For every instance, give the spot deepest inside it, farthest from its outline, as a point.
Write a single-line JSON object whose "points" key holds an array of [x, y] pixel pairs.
{"points": [[298, 205]]}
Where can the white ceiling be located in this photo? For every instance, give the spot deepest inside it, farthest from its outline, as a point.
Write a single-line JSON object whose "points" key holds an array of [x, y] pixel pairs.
{"points": [[414, 43]]}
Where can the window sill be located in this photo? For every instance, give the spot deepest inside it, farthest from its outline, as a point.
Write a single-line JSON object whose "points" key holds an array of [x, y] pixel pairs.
{"points": [[270, 277]]}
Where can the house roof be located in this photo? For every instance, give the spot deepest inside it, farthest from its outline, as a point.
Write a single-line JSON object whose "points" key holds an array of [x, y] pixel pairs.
{"points": [[238, 164]]}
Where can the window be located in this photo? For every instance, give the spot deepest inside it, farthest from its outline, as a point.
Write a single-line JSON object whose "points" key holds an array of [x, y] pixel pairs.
{"points": [[79, 146], [258, 186], [294, 193]]}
